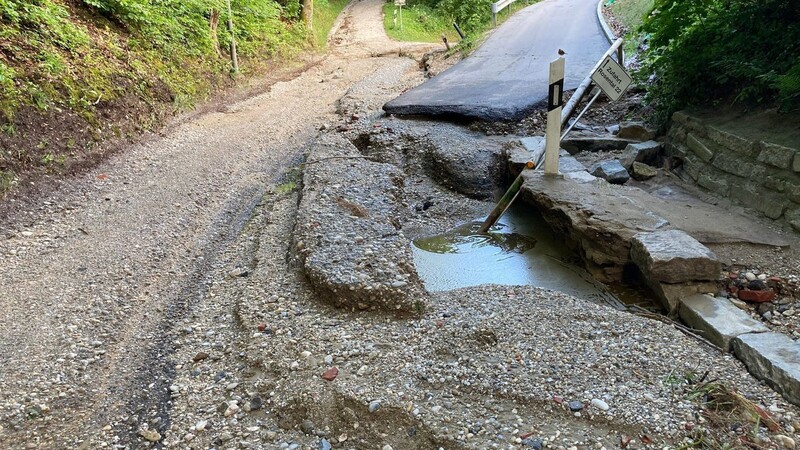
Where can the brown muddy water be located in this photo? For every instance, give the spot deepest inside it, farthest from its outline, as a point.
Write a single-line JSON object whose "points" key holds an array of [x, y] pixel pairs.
{"points": [[520, 250]]}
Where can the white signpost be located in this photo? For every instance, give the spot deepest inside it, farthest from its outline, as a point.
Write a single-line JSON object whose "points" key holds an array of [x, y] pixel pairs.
{"points": [[400, 4], [555, 101], [611, 78]]}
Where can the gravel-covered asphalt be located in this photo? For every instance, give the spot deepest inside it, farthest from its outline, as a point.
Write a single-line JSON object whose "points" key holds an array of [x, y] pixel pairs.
{"points": [[178, 296]]}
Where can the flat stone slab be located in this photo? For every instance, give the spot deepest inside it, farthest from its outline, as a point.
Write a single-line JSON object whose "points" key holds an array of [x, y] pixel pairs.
{"points": [[774, 358], [507, 77], [718, 320], [595, 217], [672, 256]]}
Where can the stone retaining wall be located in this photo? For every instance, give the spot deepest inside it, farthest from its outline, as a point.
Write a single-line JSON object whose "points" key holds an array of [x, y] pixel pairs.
{"points": [[747, 167]]}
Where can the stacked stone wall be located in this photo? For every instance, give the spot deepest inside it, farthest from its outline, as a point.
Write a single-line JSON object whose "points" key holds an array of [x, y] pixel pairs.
{"points": [[753, 172]]}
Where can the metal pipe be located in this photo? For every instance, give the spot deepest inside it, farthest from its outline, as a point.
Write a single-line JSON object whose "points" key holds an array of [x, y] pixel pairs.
{"points": [[580, 114]]}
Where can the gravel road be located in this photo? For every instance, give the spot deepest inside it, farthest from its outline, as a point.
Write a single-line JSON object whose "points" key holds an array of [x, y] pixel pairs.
{"points": [[97, 277], [166, 299]]}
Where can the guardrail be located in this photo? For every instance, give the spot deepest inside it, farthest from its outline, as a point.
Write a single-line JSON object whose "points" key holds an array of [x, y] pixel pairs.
{"points": [[497, 7]]}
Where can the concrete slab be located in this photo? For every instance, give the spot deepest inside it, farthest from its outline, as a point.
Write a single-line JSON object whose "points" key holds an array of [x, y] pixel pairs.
{"points": [[774, 358], [672, 256], [717, 319]]}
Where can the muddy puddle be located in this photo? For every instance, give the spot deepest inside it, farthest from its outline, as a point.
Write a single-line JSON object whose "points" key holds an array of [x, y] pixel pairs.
{"points": [[520, 250]]}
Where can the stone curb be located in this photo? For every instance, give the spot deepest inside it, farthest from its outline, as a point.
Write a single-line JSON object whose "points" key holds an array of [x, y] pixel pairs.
{"points": [[773, 358], [606, 29], [717, 319]]}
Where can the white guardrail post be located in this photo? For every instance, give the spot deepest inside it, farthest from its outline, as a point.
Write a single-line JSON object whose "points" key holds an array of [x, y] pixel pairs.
{"points": [[499, 6]]}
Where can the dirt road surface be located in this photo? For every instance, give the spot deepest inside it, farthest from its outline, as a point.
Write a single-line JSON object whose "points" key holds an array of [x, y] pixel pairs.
{"points": [[96, 280]]}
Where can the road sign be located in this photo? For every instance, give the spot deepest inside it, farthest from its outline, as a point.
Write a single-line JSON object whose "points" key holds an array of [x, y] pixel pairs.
{"points": [[399, 2], [611, 78]]}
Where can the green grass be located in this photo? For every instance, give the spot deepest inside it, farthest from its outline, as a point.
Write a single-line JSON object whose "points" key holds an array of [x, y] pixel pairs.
{"points": [[631, 14], [420, 24], [325, 14]]}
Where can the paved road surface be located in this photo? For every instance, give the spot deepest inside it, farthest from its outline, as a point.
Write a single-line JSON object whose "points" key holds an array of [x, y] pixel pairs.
{"points": [[507, 77]]}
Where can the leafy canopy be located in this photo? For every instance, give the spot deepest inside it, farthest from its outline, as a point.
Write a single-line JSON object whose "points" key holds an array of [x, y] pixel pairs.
{"points": [[706, 51]]}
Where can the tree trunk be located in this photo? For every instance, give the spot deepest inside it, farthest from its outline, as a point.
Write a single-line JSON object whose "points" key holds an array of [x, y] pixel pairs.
{"points": [[213, 21], [308, 13]]}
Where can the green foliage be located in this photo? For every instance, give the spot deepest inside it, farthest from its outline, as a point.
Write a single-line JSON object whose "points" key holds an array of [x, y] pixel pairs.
{"points": [[421, 23], [705, 51], [325, 14], [51, 54], [473, 16]]}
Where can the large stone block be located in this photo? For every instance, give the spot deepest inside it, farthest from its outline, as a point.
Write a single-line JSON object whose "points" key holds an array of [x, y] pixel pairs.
{"points": [[770, 204], [670, 295], [672, 256], [776, 155], [713, 182], [693, 166], [611, 171], [699, 148], [717, 319], [635, 130], [774, 358], [738, 144], [736, 166], [643, 152]]}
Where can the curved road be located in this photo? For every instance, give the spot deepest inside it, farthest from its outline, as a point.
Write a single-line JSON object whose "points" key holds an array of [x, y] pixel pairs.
{"points": [[507, 77]]}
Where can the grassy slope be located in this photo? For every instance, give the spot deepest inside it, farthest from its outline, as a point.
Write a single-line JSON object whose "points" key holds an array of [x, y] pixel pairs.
{"points": [[74, 75], [424, 24]]}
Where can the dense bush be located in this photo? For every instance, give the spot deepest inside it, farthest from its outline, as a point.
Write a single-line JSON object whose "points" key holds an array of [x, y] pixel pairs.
{"points": [[706, 51], [472, 16], [76, 54]]}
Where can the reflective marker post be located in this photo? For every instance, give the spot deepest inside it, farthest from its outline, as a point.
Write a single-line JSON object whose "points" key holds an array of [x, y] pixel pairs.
{"points": [[555, 101]]}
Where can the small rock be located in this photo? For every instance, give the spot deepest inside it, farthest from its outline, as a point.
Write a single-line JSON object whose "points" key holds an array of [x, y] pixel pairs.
{"points": [[374, 406], [387, 447], [534, 443], [256, 403], [324, 445], [150, 435], [330, 374], [600, 404], [307, 426], [642, 172], [635, 130], [200, 425], [739, 304], [200, 356], [575, 405], [750, 276], [785, 441], [756, 296], [611, 171], [756, 285]]}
